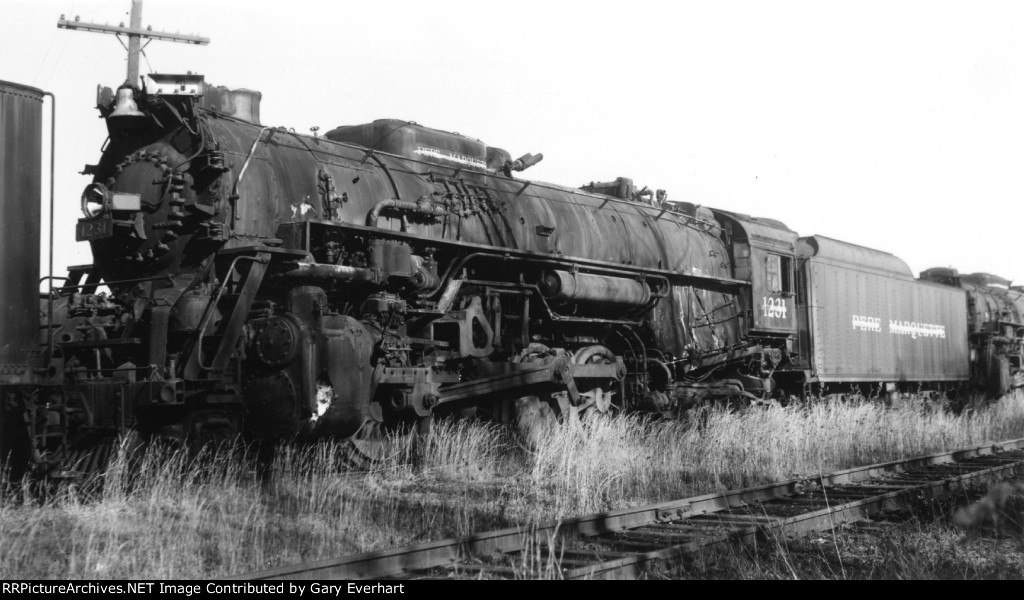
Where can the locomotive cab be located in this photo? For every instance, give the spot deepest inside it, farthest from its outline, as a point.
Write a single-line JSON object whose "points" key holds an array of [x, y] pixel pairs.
{"points": [[763, 253]]}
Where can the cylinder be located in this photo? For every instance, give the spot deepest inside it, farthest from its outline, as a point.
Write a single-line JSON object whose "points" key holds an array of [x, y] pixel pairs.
{"points": [[563, 286], [21, 135]]}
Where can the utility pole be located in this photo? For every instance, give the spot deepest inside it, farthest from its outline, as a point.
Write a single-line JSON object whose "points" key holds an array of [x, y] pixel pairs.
{"points": [[135, 34]]}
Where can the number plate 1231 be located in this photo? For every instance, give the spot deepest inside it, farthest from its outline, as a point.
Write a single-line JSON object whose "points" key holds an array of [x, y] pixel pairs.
{"points": [[94, 229]]}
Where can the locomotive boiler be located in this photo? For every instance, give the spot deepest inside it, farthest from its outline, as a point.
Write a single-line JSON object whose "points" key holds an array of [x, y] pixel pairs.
{"points": [[365, 281], [250, 280]]}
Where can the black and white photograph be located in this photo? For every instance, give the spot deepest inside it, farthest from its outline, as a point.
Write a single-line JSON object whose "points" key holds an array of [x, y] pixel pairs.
{"points": [[334, 297]]}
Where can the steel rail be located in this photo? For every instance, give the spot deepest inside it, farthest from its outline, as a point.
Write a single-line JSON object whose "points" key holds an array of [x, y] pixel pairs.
{"points": [[685, 525], [816, 520]]}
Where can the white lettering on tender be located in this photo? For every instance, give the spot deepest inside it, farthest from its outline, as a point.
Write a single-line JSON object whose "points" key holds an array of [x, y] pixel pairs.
{"points": [[862, 323], [911, 328], [916, 330]]}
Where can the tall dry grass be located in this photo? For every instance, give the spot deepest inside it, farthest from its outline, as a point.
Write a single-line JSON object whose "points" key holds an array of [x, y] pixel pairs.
{"points": [[604, 462], [175, 516], [172, 515]]}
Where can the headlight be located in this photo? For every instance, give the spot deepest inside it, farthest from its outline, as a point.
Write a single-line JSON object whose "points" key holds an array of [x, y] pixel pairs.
{"points": [[95, 199]]}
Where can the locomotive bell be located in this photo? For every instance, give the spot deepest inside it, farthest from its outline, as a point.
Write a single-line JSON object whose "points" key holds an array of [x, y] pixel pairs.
{"points": [[125, 108]]}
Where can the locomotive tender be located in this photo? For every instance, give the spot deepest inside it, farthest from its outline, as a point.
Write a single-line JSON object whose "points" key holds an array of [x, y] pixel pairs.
{"points": [[252, 280]]}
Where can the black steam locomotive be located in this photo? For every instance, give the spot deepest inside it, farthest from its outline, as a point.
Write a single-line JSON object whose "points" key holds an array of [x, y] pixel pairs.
{"points": [[251, 280]]}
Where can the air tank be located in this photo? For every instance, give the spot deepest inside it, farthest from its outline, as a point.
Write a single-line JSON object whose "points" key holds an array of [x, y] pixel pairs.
{"points": [[21, 133]]}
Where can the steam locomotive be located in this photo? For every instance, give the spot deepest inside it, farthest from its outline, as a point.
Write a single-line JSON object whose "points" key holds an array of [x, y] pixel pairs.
{"points": [[251, 280]]}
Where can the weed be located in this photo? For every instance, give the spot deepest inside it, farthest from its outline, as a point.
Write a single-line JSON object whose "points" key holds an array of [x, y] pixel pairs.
{"points": [[171, 514]]}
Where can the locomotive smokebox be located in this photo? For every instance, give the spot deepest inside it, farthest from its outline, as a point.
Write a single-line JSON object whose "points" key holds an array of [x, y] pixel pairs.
{"points": [[21, 134]]}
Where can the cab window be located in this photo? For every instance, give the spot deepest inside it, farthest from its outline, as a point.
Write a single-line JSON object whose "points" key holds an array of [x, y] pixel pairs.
{"points": [[778, 273]]}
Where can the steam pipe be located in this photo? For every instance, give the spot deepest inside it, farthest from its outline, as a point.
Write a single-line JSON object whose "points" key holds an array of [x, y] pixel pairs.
{"points": [[208, 311], [67, 286], [456, 266], [53, 153], [333, 272], [420, 208], [589, 352]]}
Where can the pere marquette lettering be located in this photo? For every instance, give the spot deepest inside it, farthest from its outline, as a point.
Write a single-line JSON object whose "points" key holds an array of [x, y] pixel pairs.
{"points": [[911, 328], [196, 589]]}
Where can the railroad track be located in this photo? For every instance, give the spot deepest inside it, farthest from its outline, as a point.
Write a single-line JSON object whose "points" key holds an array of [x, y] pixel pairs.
{"points": [[623, 543]]}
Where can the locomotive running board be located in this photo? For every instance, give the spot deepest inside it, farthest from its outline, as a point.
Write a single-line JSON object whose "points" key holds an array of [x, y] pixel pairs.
{"points": [[298, 236]]}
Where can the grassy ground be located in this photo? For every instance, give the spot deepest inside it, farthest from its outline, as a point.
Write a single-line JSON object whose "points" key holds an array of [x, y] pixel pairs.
{"points": [[982, 540], [209, 516]]}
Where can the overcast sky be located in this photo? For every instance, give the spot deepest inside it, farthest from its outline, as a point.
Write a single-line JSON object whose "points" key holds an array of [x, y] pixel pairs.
{"points": [[894, 125]]}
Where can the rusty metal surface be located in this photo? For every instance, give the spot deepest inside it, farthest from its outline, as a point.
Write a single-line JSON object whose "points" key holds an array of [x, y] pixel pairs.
{"points": [[867, 324], [481, 209], [21, 112]]}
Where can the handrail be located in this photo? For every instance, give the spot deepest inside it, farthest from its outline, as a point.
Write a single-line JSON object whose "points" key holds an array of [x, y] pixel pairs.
{"points": [[241, 172]]}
